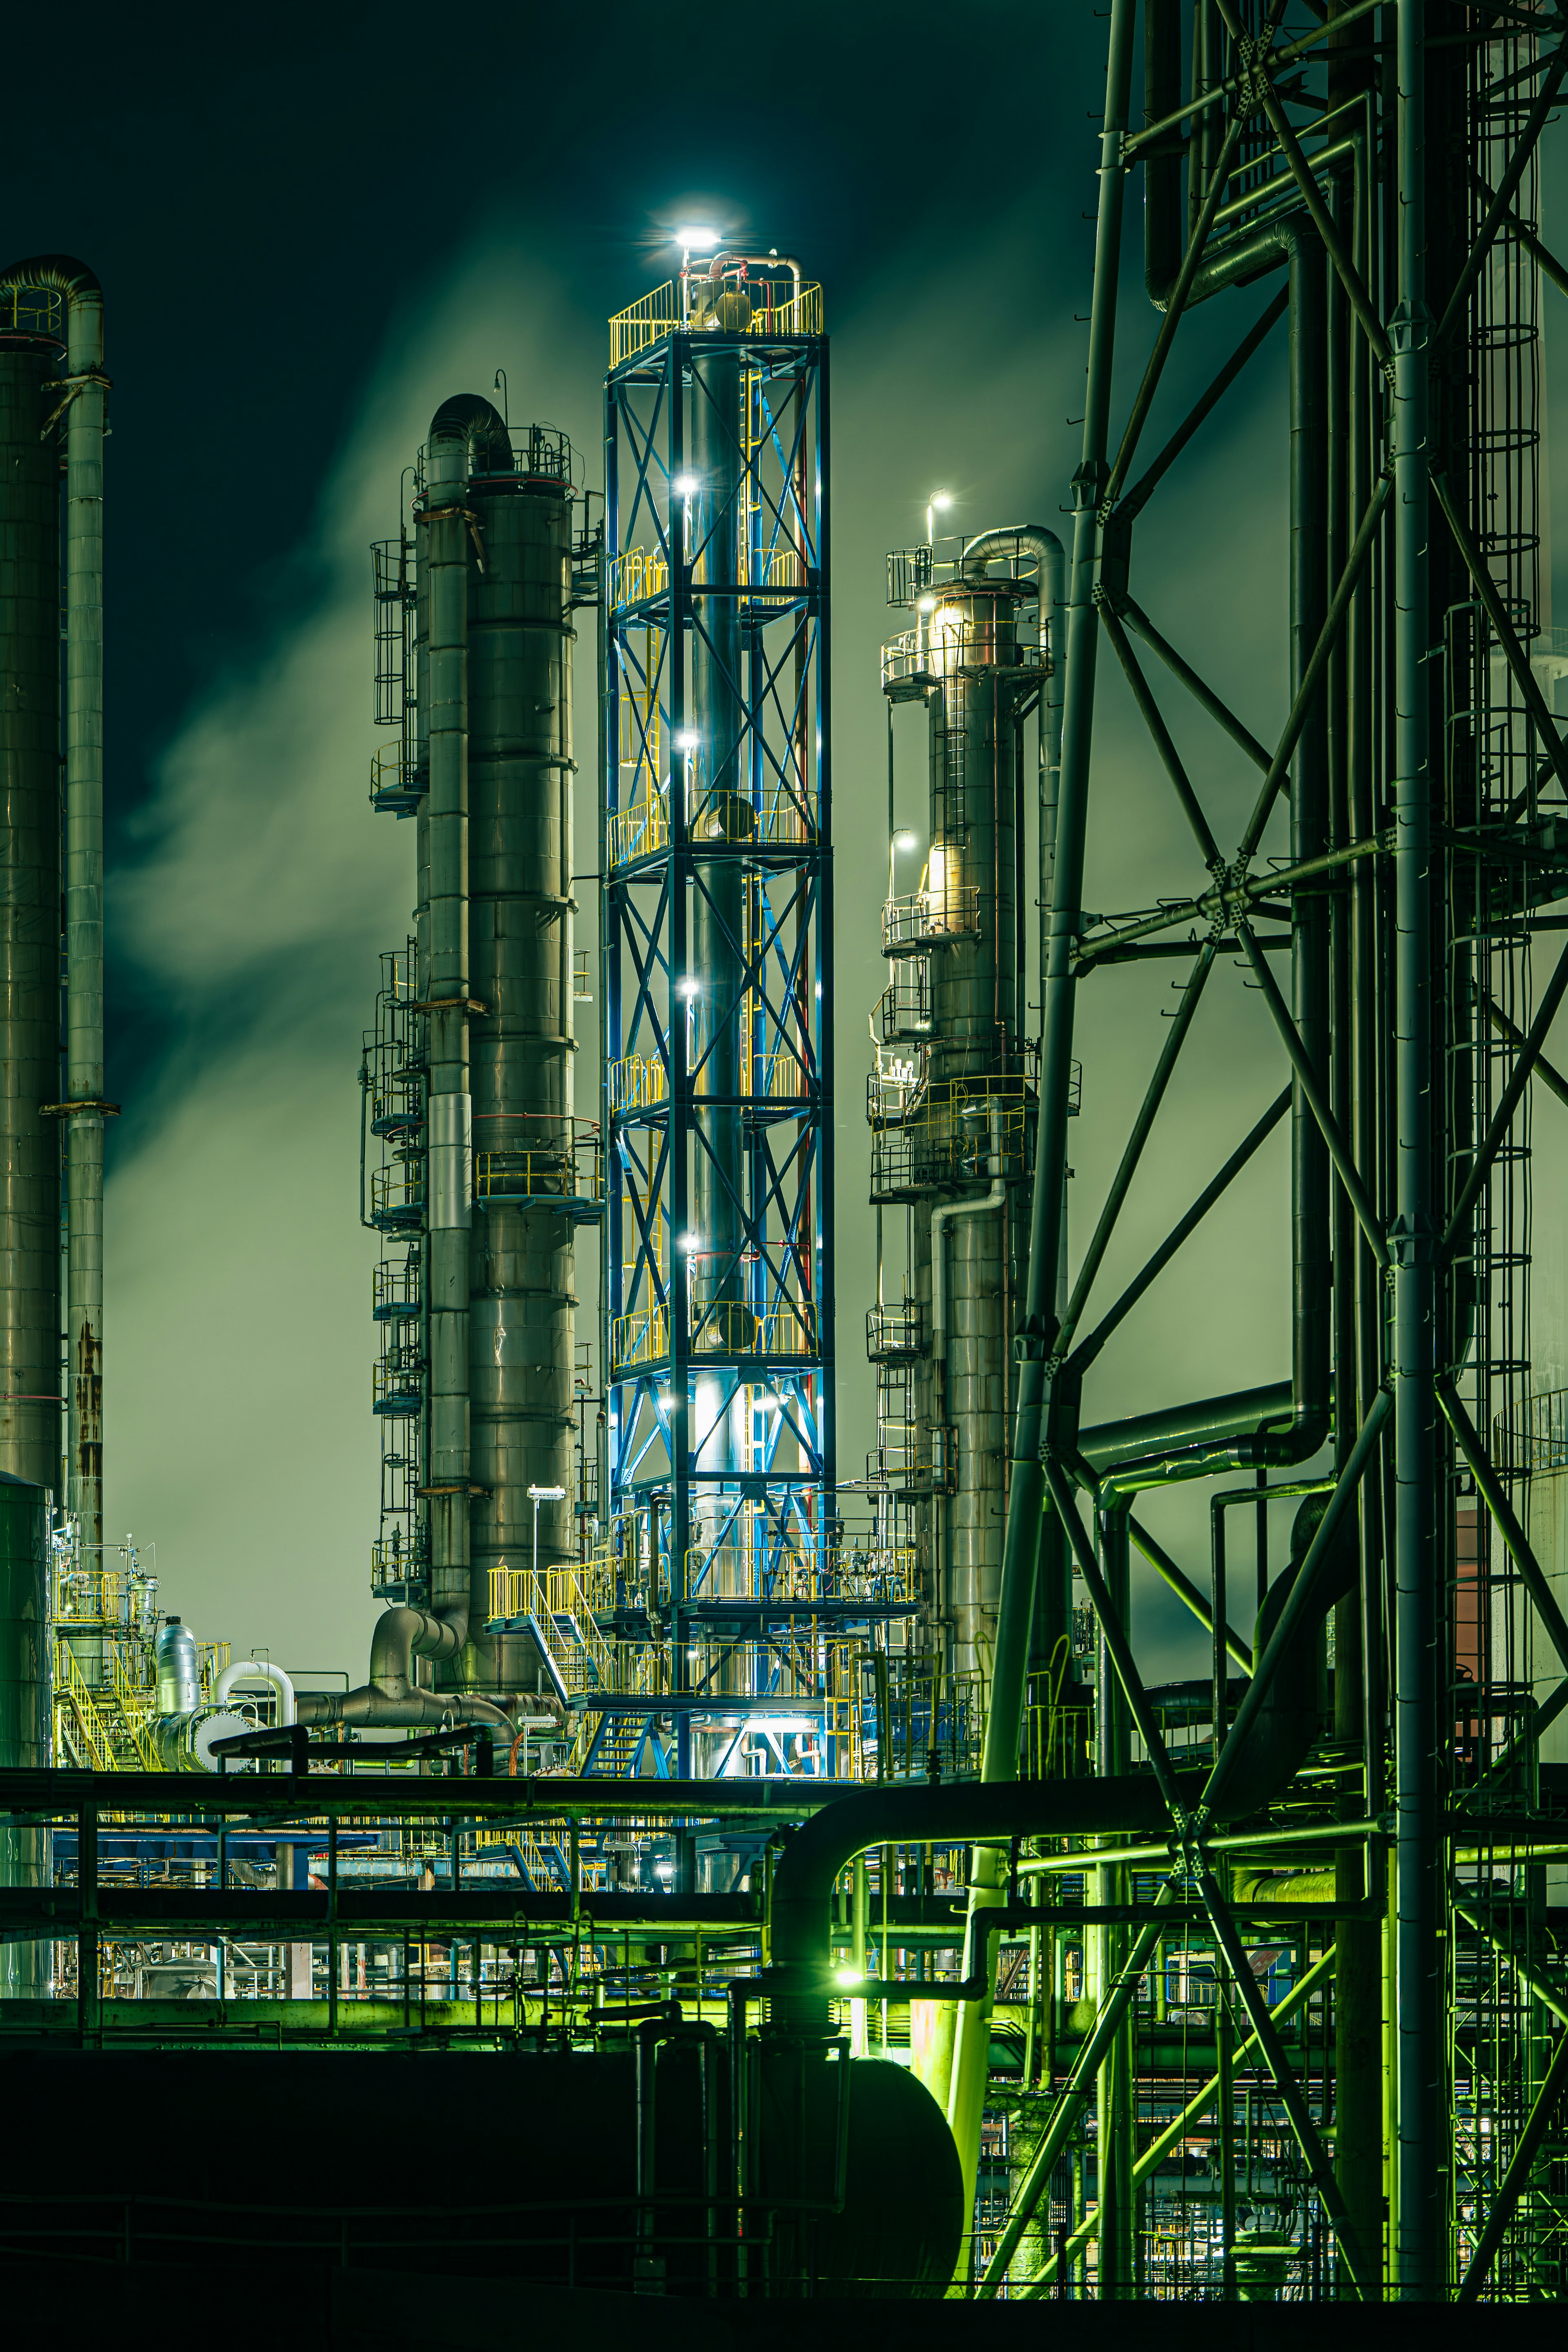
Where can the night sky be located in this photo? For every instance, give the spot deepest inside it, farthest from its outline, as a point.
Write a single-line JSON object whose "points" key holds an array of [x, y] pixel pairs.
{"points": [[313, 225]]}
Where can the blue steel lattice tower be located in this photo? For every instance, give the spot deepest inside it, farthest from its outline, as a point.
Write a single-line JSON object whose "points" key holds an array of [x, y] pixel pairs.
{"points": [[716, 955]]}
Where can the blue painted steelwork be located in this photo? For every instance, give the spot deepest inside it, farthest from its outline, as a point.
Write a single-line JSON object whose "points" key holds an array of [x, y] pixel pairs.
{"points": [[717, 967]]}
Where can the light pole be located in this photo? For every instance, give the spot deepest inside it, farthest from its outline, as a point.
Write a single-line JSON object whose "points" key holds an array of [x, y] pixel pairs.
{"points": [[537, 1495]]}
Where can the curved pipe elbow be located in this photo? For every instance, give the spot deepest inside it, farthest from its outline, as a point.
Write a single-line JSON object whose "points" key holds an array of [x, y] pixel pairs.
{"points": [[259, 1670], [1012, 539], [475, 427]]}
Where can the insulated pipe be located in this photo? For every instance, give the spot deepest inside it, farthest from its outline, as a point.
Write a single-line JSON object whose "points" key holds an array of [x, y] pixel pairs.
{"points": [[30, 877], [522, 1282], [973, 1607], [449, 1130], [25, 1715], [1050, 560], [391, 1700], [258, 1670], [84, 386], [1027, 1493], [1417, 1641]]}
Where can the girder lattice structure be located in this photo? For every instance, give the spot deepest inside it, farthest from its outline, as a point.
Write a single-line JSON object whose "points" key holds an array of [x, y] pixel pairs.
{"points": [[1386, 899], [717, 901]]}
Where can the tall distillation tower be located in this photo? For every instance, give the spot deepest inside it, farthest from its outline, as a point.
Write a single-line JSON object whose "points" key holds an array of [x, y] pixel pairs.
{"points": [[469, 1078], [950, 1101], [718, 973]]}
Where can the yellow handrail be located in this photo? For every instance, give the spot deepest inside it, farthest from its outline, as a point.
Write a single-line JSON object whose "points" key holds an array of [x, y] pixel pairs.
{"points": [[651, 316], [641, 1338], [95, 1730], [639, 1082], [642, 323], [136, 1705], [634, 574]]}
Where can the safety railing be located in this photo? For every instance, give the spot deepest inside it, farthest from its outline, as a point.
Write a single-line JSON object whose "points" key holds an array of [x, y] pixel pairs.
{"points": [[636, 575], [394, 1290], [930, 919], [31, 311], [397, 1195], [785, 818], [544, 1174], [582, 977], [651, 317], [911, 1717], [135, 1704], [71, 1690], [903, 1015], [644, 321], [115, 1597], [751, 1568], [717, 1327], [396, 784], [641, 831], [779, 569], [948, 647], [771, 1075], [894, 1331], [396, 1382], [585, 1590], [641, 1337], [1536, 1437], [731, 1327], [952, 1135], [639, 1082], [395, 1560]]}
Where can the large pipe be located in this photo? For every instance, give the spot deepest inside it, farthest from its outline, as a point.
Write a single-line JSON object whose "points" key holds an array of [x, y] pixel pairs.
{"points": [[84, 386], [258, 1670], [30, 879], [1026, 1494], [24, 1709], [522, 1281], [1418, 1954], [393, 1700], [972, 1598], [445, 518], [1050, 565]]}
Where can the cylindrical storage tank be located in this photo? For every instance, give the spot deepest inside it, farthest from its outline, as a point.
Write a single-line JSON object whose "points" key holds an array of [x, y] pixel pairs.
{"points": [[26, 1706], [521, 1286], [30, 902]]}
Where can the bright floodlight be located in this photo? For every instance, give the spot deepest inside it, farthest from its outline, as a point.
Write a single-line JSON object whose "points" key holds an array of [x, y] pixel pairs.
{"points": [[685, 485], [705, 237], [847, 1977], [687, 740], [940, 499], [903, 839]]}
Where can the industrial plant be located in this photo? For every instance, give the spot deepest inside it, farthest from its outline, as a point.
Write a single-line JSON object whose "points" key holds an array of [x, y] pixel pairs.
{"points": [[784, 1800]]}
